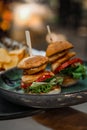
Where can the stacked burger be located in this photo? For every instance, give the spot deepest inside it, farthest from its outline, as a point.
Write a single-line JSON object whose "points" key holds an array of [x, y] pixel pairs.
{"points": [[36, 79], [63, 64]]}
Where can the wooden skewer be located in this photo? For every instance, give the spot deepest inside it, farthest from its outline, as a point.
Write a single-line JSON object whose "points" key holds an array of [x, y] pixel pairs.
{"points": [[28, 40], [49, 32]]}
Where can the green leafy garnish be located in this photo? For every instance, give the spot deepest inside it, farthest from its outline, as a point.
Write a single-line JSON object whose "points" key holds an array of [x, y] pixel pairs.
{"points": [[40, 87], [78, 71], [44, 87]]}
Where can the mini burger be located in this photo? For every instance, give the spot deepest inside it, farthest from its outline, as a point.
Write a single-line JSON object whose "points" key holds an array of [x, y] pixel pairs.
{"points": [[63, 64], [36, 79]]}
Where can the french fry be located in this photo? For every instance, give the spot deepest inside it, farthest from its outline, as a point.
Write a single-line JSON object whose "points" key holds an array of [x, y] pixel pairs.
{"points": [[20, 53], [13, 63], [4, 56], [12, 58]]}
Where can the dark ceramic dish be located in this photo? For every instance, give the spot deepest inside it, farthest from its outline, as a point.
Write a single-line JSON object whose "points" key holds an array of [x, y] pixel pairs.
{"points": [[10, 90]]}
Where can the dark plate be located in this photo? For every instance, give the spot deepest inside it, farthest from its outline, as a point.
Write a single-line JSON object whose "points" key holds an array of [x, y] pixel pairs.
{"points": [[9, 89], [10, 110]]}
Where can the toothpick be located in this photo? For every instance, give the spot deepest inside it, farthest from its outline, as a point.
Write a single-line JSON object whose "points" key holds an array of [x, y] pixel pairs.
{"points": [[49, 32], [28, 40]]}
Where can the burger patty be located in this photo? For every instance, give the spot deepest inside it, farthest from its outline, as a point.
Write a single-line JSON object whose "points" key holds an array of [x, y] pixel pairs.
{"points": [[57, 56], [34, 77], [57, 63], [34, 70]]}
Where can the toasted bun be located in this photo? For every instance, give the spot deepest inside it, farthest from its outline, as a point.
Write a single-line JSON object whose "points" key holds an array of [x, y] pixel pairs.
{"points": [[32, 62], [56, 47], [55, 91], [69, 81], [33, 77], [57, 63]]}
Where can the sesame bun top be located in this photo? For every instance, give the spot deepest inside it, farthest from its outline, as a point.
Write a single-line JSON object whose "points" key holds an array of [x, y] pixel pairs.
{"points": [[58, 47], [32, 62]]}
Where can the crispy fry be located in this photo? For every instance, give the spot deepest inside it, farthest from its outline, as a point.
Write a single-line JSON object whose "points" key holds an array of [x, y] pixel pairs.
{"points": [[12, 58], [13, 63], [20, 53], [4, 56]]}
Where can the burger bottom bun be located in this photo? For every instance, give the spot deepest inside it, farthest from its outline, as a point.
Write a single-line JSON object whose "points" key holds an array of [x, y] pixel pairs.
{"points": [[55, 91], [34, 70], [69, 81]]}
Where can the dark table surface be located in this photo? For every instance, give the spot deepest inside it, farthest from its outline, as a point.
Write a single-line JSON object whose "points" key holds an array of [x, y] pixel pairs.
{"points": [[57, 119], [63, 119], [10, 110]]}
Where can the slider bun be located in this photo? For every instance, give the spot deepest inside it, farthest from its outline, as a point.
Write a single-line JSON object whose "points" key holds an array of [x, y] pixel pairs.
{"points": [[58, 47], [69, 81], [35, 70], [32, 62]]}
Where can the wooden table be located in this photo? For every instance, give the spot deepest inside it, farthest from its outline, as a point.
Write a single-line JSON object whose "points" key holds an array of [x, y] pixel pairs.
{"points": [[63, 119]]}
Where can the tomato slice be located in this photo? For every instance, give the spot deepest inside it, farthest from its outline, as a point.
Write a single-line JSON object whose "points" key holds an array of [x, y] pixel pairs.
{"points": [[68, 63], [40, 79], [24, 86], [44, 77]]}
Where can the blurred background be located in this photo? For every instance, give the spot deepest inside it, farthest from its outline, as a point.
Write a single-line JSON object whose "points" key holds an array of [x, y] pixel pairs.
{"points": [[67, 20]]}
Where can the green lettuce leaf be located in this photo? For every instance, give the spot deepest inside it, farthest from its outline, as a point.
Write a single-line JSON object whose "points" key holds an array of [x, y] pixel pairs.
{"points": [[44, 87], [79, 71]]}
